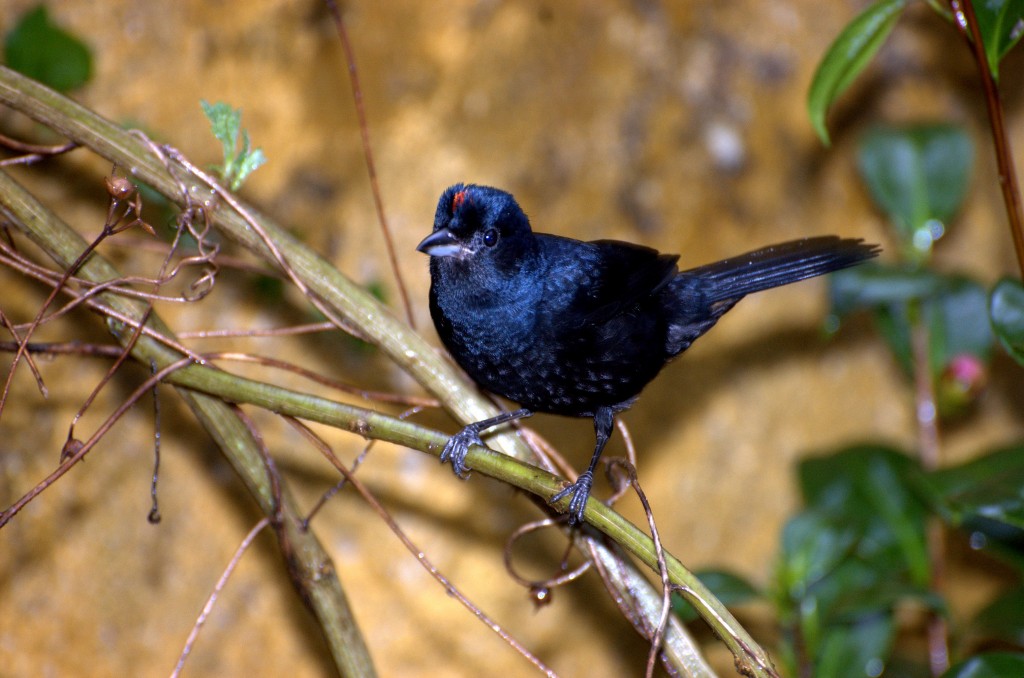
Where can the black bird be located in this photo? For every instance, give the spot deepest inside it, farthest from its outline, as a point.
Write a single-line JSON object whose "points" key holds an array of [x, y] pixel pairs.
{"points": [[579, 328]]}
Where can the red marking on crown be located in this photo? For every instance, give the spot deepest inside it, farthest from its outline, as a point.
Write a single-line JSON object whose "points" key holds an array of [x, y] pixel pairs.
{"points": [[458, 199]]}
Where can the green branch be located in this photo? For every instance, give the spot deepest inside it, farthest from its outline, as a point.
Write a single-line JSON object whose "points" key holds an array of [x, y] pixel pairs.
{"points": [[406, 348], [311, 569]]}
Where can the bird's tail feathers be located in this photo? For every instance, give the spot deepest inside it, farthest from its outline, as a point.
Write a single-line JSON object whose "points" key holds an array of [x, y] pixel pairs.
{"points": [[779, 265]]}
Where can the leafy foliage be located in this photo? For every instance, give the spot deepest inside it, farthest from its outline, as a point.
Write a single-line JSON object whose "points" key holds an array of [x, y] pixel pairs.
{"points": [[858, 548], [988, 487], [847, 560], [240, 160], [1001, 23], [848, 56], [41, 50], [1006, 308], [918, 175]]}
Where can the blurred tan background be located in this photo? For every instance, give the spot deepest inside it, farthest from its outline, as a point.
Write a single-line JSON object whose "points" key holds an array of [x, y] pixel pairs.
{"points": [[678, 125]]}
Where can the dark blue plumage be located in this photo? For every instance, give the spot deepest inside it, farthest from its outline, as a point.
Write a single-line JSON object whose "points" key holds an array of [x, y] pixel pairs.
{"points": [[579, 328]]}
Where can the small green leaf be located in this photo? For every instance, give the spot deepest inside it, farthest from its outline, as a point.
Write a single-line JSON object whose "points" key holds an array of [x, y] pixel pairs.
{"points": [[960, 344], [1006, 311], [868, 487], [958, 323], [900, 513], [1001, 23], [918, 176], [954, 308], [997, 539], [248, 162], [847, 57], [988, 487], [849, 467], [873, 285], [991, 665], [41, 50], [813, 545], [896, 328], [860, 648], [225, 123], [239, 162]]}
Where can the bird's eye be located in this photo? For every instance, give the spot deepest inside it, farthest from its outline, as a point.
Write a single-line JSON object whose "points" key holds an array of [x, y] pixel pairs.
{"points": [[491, 237]]}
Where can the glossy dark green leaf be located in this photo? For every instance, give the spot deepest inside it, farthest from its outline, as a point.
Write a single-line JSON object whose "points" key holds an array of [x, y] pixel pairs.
{"points": [[1006, 310], [960, 344], [873, 285], [728, 587], [865, 573], [849, 468], [987, 487], [870, 487], [901, 513], [991, 665], [41, 50], [887, 291], [872, 579], [847, 57], [1002, 24], [845, 616], [895, 327], [958, 321], [1003, 619], [997, 539], [850, 558], [954, 308], [918, 176], [857, 649], [812, 547]]}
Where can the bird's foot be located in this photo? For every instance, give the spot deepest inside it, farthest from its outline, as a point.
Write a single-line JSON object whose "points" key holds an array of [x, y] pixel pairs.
{"points": [[579, 490], [457, 447]]}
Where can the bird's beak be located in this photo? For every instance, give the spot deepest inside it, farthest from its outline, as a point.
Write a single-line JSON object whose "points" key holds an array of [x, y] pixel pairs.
{"points": [[440, 243]]}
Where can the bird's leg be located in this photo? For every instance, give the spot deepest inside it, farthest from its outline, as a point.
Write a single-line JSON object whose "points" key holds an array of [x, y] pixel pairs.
{"points": [[458, 445], [604, 420]]}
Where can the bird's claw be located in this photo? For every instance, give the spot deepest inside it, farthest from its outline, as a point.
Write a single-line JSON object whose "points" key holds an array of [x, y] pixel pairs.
{"points": [[580, 491], [457, 447]]}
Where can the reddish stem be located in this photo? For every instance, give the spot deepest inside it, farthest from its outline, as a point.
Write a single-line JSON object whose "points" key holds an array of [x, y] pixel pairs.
{"points": [[364, 131], [967, 23]]}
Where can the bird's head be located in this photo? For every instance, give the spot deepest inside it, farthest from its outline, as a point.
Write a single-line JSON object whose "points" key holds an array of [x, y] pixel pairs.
{"points": [[478, 224]]}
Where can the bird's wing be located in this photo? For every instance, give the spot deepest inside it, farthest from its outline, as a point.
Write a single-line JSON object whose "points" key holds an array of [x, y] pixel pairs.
{"points": [[608, 277]]}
